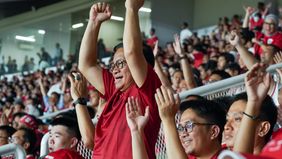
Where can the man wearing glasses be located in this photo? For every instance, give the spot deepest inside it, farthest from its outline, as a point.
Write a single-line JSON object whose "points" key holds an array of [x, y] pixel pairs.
{"points": [[199, 132], [131, 74], [26, 138]]}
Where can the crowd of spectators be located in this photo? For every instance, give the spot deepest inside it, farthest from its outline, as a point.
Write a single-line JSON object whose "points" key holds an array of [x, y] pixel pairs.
{"points": [[145, 78]]}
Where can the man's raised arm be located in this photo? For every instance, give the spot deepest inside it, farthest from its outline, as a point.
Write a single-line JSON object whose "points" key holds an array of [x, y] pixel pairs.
{"points": [[133, 49], [88, 65]]}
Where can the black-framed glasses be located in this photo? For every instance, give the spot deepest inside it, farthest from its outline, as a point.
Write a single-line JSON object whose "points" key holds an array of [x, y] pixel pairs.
{"points": [[189, 125], [119, 64]]}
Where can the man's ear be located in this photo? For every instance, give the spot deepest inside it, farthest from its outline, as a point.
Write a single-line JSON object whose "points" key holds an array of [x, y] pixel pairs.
{"points": [[214, 130], [74, 142], [26, 145], [264, 128]]}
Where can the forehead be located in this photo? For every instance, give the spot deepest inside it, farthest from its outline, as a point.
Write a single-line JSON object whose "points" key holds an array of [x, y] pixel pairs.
{"points": [[19, 133], [215, 77], [177, 73], [59, 129], [238, 106], [190, 115], [119, 54], [3, 133]]}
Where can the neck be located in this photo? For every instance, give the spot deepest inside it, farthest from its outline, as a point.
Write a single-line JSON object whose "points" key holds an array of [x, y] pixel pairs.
{"points": [[127, 86], [210, 151], [258, 147]]}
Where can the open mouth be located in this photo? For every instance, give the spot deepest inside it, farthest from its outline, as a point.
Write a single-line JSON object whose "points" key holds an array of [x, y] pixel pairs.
{"points": [[117, 78]]}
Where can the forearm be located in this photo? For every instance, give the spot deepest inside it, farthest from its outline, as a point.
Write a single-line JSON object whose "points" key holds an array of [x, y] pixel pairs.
{"points": [[138, 146], [247, 57], [161, 75], [246, 21], [132, 36], [88, 48], [42, 90], [244, 142], [86, 127], [173, 145], [188, 73]]}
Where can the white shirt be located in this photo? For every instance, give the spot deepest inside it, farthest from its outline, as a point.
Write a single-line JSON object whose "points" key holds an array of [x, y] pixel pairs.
{"points": [[184, 34]]}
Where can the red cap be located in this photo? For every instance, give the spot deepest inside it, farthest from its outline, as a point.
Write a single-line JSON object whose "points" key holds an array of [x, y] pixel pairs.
{"points": [[29, 122]]}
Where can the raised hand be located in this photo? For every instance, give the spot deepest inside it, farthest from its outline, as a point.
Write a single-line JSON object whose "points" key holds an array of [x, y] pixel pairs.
{"points": [[167, 104], [176, 45], [257, 83], [100, 12], [134, 4], [249, 10], [156, 48], [78, 85], [234, 38], [135, 120]]}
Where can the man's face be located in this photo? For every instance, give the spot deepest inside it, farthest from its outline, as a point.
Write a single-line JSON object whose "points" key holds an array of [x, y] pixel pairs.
{"points": [[197, 141], [221, 63], [214, 78], [233, 121], [120, 71], [176, 78], [3, 137], [59, 138], [269, 27], [18, 138], [16, 122]]}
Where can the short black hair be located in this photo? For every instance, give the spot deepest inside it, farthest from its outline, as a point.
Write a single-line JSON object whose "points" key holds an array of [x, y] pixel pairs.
{"points": [[70, 123], [268, 111], [19, 114], [9, 130], [185, 24], [228, 57], [233, 67], [30, 137], [211, 111], [221, 73], [147, 52]]}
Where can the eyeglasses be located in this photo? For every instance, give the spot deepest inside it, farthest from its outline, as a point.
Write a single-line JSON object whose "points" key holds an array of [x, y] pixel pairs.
{"points": [[268, 23], [119, 64], [189, 125]]}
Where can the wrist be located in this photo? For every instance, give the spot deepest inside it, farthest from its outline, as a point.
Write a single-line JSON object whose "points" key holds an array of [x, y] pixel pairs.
{"points": [[132, 9], [80, 101], [168, 120], [94, 23]]}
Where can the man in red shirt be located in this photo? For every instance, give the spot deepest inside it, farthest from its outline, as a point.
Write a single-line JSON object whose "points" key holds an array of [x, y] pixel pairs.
{"points": [[63, 139], [131, 74], [153, 39]]}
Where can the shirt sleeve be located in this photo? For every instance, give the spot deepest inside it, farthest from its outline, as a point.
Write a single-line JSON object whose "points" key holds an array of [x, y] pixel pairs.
{"points": [[46, 103], [60, 104]]}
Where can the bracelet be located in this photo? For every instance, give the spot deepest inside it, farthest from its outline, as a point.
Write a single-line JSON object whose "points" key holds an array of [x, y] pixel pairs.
{"points": [[250, 116], [81, 101]]}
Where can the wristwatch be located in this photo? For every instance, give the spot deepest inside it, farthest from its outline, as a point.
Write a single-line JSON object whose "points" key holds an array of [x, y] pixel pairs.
{"points": [[81, 101]]}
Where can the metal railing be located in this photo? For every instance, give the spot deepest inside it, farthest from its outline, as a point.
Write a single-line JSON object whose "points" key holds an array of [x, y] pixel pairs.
{"points": [[223, 84], [205, 90], [13, 149]]}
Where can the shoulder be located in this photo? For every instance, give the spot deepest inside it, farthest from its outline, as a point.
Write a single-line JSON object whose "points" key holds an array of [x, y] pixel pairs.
{"points": [[64, 153]]}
